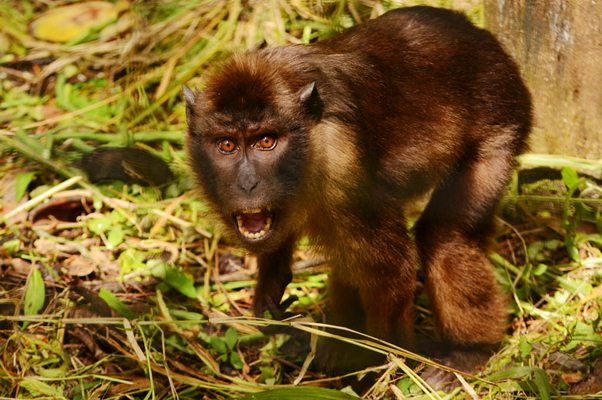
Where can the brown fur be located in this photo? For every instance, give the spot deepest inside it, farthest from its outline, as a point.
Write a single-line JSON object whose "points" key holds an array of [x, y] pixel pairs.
{"points": [[413, 101]]}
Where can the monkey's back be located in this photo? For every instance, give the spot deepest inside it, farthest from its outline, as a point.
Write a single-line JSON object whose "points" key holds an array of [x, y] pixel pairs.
{"points": [[435, 85]]}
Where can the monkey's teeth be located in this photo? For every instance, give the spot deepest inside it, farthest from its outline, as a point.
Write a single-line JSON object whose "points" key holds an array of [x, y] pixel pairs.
{"points": [[253, 235]]}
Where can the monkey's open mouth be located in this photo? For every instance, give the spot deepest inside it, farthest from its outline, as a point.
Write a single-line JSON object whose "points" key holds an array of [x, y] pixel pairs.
{"points": [[254, 224]]}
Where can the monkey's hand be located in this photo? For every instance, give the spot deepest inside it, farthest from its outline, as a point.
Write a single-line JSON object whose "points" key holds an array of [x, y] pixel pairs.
{"points": [[267, 307]]}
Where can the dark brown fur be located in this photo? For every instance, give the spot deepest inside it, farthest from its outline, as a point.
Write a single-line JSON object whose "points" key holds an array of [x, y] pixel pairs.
{"points": [[416, 100]]}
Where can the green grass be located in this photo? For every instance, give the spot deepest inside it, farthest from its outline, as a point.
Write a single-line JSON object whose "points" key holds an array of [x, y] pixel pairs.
{"points": [[138, 297]]}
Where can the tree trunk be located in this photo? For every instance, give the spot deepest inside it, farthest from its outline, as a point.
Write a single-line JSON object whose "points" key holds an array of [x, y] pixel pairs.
{"points": [[558, 46]]}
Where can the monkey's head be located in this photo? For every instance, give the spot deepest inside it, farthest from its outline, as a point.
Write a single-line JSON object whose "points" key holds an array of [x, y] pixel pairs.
{"points": [[248, 145]]}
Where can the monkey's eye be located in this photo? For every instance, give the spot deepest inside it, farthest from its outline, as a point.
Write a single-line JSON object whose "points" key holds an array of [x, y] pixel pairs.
{"points": [[267, 142], [226, 146]]}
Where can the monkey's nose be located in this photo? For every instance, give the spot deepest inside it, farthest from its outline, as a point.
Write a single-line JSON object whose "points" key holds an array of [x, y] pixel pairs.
{"points": [[247, 184]]}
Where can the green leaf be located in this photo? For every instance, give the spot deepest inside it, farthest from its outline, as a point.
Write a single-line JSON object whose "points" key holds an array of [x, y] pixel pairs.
{"points": [[539, 270], [218, 344], [116, 304], [406, 385], [524, 346], [35, 294], [12, 247], [535, 251], [231, 338], [267, 375], [543, 384], [188, 315], [236, 361], [570, 178], [511, 373], [300, 393], [39, 388], [99, 225], [22, 182], [180, 281], [52, 373], [131, 260], [116, 235], [571, 248]]}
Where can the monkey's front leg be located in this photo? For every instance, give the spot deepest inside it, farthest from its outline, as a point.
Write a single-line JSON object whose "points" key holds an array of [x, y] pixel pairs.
{"points": [[372, 292], [273, 276]]}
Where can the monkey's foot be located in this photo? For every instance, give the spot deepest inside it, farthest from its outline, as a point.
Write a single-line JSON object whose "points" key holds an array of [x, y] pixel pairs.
{"points": [[464, 360], [440, 379]]}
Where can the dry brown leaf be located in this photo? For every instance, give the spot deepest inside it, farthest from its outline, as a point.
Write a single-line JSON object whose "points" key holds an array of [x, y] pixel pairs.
{"points": [[79, 266]]}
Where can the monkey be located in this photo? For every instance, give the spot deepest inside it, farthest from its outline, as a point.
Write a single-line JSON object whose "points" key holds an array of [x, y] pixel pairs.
{"points": [[335, 140]]}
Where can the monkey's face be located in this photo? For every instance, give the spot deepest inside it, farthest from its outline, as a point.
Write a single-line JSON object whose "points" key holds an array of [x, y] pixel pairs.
{"points": [[250, 174], [248, 149]]}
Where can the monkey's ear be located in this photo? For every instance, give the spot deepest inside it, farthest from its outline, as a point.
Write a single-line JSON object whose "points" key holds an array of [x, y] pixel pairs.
{"points": [[311, 101], [191, 99], [188, 96]]}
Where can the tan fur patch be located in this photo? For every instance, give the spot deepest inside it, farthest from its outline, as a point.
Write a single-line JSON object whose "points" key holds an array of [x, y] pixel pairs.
{"points": [[336, 158]]}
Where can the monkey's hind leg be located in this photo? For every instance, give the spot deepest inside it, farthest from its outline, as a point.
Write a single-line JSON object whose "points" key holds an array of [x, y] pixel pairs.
{"points": [[452, 236]]}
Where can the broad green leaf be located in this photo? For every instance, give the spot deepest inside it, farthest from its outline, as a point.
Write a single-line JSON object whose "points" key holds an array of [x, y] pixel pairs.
{"points": [[407, 386], [34, 293], [300, 393], [267, 375], [53, 372], [539, 270], [570, 178], [231, 337], [12, 247], [131, 260], [534, 251], [115, 236], [524, 346], [22, 182], [236, 361], [38, 388], [116, 304], [99, 225], [180, 281], [543, 384], [511, 373], [218, 344]]}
